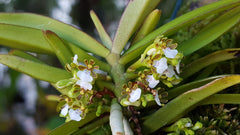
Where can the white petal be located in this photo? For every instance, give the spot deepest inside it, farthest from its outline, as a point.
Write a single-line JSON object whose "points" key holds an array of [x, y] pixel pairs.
{"points": [[152, 82], [64, 110], [161, 65], [75, 114], [98, 71], [170, 53], [188, 124], [170, 71], [178, 67], [152, 51], [84, 85], [85, 75], [75, 59], [135, 95], [156, 98]]}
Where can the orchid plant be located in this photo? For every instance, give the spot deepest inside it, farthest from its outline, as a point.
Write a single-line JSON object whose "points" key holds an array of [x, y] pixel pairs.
{"points": [[136, 71]]}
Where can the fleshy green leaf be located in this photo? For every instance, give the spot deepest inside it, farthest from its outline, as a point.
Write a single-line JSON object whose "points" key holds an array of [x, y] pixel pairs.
{"points": [[64, 31], [61, 50], [25, 56], [24, 38], [205, 61], [132, 18], [148, 25], [34, 69], [222, 99], [94, 125], [178, 106], [73, 126], [176, 24], [172, 93], [211, 31], [101, 31]]}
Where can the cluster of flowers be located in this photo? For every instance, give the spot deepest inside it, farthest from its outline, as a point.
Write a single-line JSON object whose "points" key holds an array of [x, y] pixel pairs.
{"points": [[77, 91], [184, 125], [159, 63]]}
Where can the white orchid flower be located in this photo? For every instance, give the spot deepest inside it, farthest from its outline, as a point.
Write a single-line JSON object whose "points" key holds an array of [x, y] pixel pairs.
{"points": [[135, 95], [72, 114], [85, 79], [84, 85], [170, 71], [152, 82], [85, 75], [75, 114], [64, 110], [170, 53], [160, 65]]}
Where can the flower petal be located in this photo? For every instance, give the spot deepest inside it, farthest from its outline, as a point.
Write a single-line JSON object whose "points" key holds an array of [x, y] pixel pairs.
{"points": [[75, 114], [152, 51], [178, 67], [161, 65], [170, 71], [156, 98], [135, 95], [84, 85], [75, 59], [85, 75], [64, 110], [152, 82], [170, 53]]}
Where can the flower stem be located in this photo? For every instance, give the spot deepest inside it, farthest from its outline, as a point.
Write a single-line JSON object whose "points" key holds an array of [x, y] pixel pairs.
{"points": [[135, 65], [117, 73]]}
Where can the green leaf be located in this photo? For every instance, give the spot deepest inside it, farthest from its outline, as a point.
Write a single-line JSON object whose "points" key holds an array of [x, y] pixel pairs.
{"points": [[94, 125], [24, 38], [211, 32], [34, 69], [206, 72], [101, 31], [172, 93], [132, 18], [72, 126], [178, 106], [148, 25], [134, 54], [82, 55], [205, 61], [25, 56], [222, 99], [61, 50], [176, 24], [63, 30]]}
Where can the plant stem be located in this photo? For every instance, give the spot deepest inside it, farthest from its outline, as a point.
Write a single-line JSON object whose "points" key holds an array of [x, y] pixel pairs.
{"points": [[117, 73], [135, 65], [131, 75]]}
